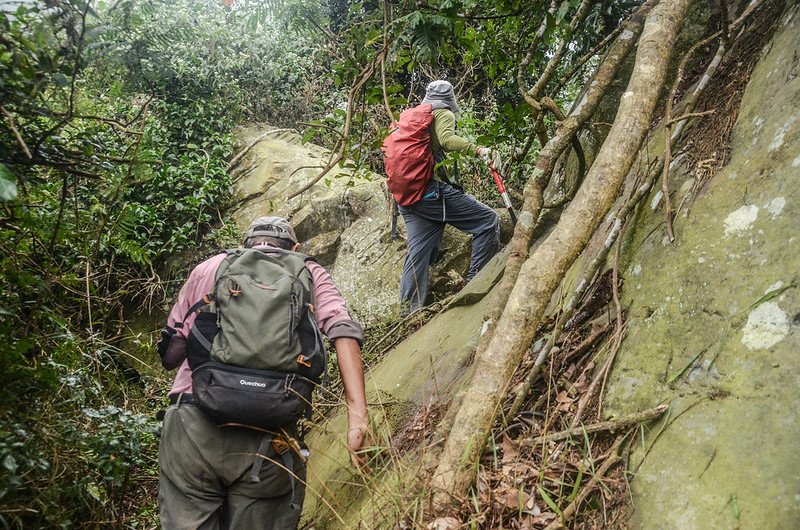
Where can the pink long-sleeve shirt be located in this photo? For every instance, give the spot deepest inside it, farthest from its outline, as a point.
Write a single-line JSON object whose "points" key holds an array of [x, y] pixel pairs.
{"points": [[331, 311]]}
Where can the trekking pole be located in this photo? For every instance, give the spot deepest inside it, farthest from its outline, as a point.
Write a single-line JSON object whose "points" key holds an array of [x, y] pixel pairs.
{"points": [[503, 193], [395, 215]]}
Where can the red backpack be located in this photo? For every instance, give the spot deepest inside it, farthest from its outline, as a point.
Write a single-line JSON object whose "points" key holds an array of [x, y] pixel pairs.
{"points": [[407, 155]]}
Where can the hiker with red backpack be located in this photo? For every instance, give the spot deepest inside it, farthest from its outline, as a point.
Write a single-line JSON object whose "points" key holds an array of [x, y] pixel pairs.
{"points": [[245, 337], [428, 197]]}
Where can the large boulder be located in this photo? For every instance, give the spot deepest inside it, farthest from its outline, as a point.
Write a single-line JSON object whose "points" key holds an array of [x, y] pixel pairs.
{"points": [[342, 220], [713, 325]]}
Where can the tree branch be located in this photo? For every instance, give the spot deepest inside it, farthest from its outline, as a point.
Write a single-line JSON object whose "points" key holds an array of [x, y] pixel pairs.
{"points": [[10, 120], [542, 272], [355, 89], [580, 15], [526, 61], [562, 81], [603, 426]]}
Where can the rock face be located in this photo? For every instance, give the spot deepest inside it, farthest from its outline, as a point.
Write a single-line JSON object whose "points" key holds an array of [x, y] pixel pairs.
{"points": [[342, 220], [421, 374], [714, 325]]}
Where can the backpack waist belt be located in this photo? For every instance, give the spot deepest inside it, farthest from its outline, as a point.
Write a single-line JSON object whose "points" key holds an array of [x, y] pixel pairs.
{"points": [[183, 399]]}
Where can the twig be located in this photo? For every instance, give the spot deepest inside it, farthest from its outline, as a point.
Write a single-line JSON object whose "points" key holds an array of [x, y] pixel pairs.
{"points": [[609, 425], [300, 168], [569, 511], [10, 120], [598, 378], [321, 126], [620, 323], [60, 218], [116, 123], [691, 115], [355, 89], [530, 379]]}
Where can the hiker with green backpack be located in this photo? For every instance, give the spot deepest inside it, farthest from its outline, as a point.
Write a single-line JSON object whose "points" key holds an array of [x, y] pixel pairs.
{"points": [[429, 197], [245, 336]]}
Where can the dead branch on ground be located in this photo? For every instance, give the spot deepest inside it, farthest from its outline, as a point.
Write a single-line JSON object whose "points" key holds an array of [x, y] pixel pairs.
{"points": [[603, 426]]}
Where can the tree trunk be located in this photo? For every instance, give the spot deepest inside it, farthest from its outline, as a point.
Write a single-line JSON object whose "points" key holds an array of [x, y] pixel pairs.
{"points": [[542, 272]]}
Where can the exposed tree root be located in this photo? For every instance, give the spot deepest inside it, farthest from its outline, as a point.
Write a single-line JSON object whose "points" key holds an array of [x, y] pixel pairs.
{"points": [[542, 272]]}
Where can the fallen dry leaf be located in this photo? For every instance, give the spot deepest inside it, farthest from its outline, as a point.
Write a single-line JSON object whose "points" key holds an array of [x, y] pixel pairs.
{"points": [[510, 451], [513, 498], [563, 397], [544, 518], [444, 523]]}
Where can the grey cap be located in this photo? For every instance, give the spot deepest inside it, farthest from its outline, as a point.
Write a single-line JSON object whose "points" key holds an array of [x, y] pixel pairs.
{"points": [[271, 226], [440, 95]]}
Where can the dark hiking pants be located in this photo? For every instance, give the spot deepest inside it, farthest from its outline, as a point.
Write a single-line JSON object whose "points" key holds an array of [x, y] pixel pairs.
{"points": [[425, 221], [206, 477]]}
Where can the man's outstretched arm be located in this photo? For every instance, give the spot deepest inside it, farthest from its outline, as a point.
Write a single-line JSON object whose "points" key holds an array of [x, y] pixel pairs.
{"points": [[348, 356]]}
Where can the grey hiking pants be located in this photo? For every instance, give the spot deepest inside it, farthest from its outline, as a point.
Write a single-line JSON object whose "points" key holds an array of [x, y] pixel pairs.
{"points": [[206, 478], [425, 221]]}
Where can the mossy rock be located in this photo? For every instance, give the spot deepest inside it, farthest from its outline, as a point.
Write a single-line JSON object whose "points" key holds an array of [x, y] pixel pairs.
{"points": [[713, 324]]}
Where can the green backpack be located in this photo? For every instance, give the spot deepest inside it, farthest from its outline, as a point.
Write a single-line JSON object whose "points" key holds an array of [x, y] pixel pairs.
{"points": [[255, 349]]}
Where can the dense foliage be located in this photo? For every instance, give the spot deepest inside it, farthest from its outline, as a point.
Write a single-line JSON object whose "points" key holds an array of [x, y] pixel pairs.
{"points": [[117, 122], [116, 131]]}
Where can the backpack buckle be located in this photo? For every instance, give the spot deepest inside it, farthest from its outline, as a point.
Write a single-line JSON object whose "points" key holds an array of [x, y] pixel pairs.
{"points": [[303, 360], [281, 446]]}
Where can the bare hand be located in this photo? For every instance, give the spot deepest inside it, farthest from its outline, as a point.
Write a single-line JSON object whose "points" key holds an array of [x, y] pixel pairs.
{"points": [[358, 438]]}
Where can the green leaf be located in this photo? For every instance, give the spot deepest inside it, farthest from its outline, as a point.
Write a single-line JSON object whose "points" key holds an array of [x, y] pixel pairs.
{"points": [[553, 506], [734, 504], [769, 296], [10, 464], [8, 185], [60, 79], [686, 367], [4, 311], [562, 11], [577, 486], [94, 491]]}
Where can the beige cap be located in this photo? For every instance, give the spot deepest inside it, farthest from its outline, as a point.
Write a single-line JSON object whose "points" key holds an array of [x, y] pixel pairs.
{"points": [[271, 226]]}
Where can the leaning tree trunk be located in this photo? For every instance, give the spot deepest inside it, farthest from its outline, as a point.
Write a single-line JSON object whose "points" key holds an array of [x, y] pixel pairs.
{"points": [[545, 268]]}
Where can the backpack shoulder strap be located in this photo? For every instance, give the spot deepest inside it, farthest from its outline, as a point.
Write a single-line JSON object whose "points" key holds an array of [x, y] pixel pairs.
{"points": [[208, 298], [231, 255]]}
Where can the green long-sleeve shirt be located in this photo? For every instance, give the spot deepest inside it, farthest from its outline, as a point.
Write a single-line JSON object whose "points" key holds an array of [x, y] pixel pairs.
{"points": [[444, 140]]}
